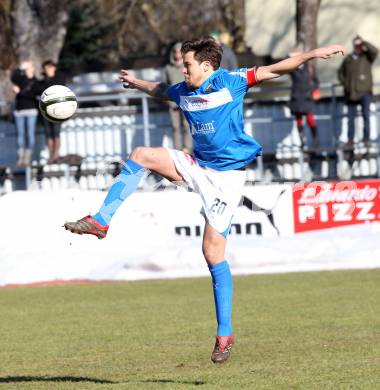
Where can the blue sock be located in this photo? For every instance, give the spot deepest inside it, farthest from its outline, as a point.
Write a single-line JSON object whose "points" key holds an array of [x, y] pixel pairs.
{"points": [[222, 285], [124, 185]]}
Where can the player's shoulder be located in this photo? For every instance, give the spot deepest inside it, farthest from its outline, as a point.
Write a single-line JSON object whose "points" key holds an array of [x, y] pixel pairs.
{"points": [[177, 89], [231, 76], [242, 72], [179, 86]]}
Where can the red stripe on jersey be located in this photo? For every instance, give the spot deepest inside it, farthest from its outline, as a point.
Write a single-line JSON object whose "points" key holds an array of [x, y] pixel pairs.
{"points": [[251, 77]]}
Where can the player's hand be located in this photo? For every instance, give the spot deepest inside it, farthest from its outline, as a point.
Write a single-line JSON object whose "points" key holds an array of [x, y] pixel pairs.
{"points": [[127, 78], [329, 51]]}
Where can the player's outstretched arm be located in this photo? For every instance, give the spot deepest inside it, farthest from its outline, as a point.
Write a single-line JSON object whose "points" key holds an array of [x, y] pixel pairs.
{"points": [[155, 89], [288, 65]]}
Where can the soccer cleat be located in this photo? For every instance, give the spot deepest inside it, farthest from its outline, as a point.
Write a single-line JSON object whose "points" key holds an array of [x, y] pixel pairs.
{"points": [[222, 349], [87, 225]]}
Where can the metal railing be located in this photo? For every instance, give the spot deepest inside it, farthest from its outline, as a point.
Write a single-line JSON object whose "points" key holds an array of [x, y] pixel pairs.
{"points": [[122, 121]]}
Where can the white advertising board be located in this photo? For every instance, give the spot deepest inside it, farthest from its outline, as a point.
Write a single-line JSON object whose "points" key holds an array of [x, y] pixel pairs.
{"points": [[264, 210]]}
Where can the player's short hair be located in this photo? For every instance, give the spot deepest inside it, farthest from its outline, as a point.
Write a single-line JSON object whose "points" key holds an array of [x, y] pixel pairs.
{"points": [[205, 49]]}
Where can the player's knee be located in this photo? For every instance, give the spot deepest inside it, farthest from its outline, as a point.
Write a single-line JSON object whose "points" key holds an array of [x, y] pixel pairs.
{"points": [[212, 254], [140, 155]]}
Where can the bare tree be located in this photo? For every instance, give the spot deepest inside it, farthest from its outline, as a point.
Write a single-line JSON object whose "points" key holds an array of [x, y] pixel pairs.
{"points": [[146, 27], [306, 23], [8, 57], [233, 20], [29, 29], [39, 28], [125, 29]]}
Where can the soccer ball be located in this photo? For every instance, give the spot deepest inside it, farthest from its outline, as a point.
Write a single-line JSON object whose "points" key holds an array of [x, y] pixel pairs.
{"points": [[58, 103]]}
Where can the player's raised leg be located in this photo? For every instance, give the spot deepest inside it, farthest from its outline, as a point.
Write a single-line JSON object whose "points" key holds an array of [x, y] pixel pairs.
{"points": [[125, 184], [214, 244]]}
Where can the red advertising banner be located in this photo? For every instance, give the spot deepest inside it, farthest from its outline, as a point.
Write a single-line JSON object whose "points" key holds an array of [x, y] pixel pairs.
{"points": [[322, 205]]}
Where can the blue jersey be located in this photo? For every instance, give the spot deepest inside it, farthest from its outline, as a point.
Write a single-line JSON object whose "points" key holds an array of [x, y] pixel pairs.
{"points": [[215, 115]]}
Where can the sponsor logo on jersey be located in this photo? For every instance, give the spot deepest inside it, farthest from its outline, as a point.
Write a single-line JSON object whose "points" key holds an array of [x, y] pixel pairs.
{"points": [[205, 102], [202, 128]]}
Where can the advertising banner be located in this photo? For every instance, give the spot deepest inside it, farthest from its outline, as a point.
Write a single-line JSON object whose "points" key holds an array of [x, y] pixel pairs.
{"points": [[264, 210], [323, 205]]}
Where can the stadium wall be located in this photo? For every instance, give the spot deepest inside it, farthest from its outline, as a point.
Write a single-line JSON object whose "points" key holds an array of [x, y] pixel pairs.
{"points": [[278, 209], [158, 234]]}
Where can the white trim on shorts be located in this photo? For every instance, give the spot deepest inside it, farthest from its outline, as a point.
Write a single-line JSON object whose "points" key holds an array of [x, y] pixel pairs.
{"points": [[220, 191]]}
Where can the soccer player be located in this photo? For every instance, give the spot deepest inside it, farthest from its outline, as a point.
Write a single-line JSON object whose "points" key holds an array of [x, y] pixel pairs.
{"points": [[211, 99]]}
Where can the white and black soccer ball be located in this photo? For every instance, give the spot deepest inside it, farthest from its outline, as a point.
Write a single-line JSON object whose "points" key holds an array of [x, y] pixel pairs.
{"points": [[58, 103]]}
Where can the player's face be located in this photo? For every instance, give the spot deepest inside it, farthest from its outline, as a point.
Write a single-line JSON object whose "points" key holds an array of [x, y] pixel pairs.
{"points": [[195, 73]]}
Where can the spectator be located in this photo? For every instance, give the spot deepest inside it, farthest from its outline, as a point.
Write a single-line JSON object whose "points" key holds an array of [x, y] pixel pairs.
{"points": [[355, 74], [26, 88], [174, 75], [52, 130], [229, 60], [305, 90]]}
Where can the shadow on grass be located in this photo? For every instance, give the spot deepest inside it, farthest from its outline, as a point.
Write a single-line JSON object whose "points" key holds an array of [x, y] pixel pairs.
{"points": [[77, 379], [195, 383], [15, 379]]}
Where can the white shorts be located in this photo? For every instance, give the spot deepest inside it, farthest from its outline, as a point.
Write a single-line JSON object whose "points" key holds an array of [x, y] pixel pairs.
{"points": [[220, 191]]}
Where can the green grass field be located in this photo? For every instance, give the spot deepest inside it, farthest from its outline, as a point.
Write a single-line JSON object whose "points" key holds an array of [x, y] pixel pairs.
{"points": [[293, 331]]}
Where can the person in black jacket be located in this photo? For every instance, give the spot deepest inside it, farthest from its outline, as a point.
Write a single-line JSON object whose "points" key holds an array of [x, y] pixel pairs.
{"points": [[52, 130], [27, 89], [355, 73], [305, 90]]}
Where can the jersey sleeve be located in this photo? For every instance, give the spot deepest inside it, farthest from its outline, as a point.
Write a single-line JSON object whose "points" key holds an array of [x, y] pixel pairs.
{"points": [[251, 77], [173, 92], [240, 80]]}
